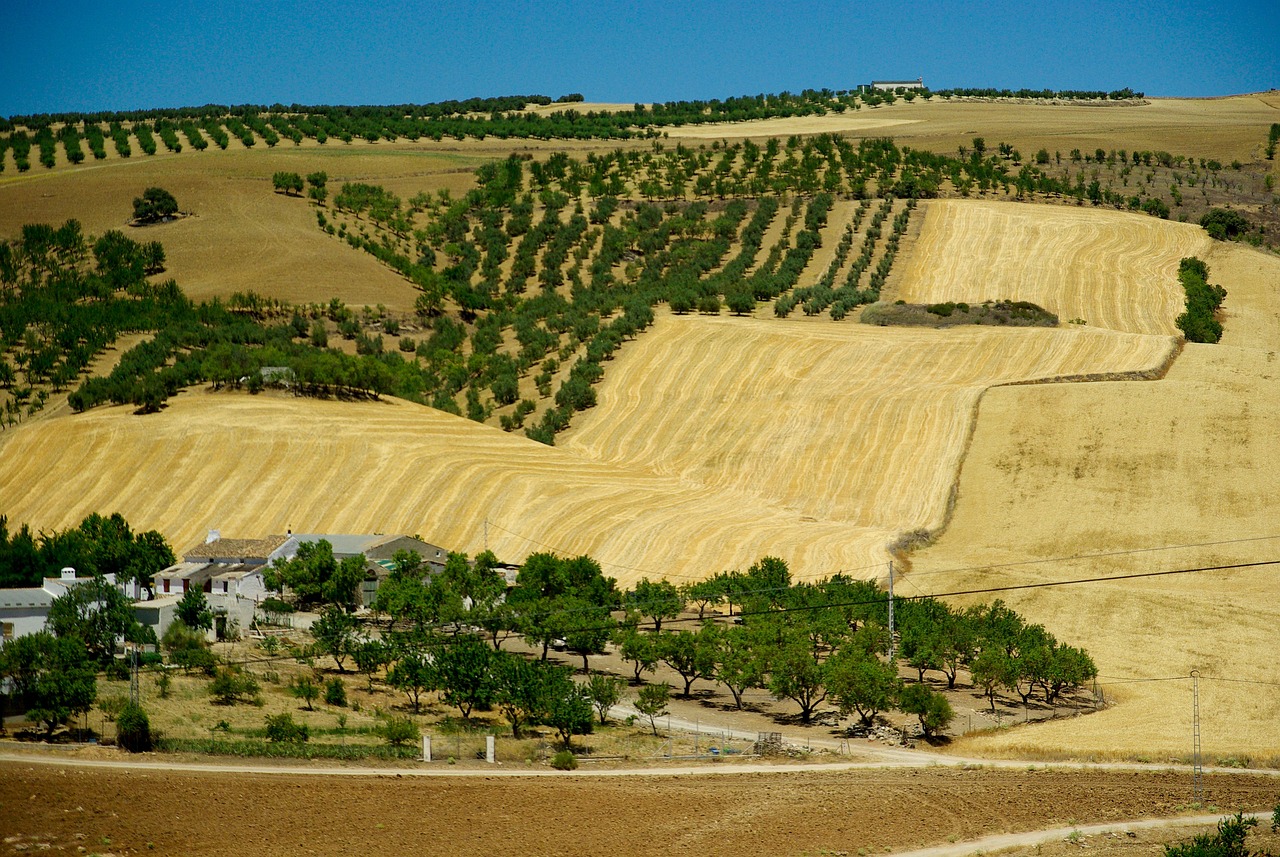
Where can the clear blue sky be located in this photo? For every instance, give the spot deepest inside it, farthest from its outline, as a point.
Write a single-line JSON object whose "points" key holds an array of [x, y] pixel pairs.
{"points": [[58, 55]]}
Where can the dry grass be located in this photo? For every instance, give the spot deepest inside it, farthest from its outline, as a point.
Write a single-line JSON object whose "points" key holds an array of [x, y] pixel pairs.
{"points": [[243, 236], [1113, 269]]}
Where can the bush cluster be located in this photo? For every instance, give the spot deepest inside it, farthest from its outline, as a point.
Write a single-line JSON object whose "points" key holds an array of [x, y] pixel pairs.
{"points": [[1199, 322]]}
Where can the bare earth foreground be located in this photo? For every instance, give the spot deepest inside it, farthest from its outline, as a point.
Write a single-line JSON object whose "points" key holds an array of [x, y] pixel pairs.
{"points": [[875, 811]]}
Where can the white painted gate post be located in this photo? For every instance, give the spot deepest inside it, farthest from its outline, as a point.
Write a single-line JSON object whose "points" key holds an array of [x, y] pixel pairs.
{"points": [[426, 748], [488, 749]]}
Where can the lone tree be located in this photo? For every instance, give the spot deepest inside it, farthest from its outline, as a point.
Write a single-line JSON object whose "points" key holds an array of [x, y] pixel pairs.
{"points": [[155, 204], [651, 701]]}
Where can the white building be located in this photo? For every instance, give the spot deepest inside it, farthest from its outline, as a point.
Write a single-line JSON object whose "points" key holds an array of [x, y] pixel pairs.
{"points": [[25, 611], [894, 85]]}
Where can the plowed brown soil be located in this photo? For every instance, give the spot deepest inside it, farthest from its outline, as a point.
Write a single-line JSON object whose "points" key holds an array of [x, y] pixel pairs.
{"points": [[121, 812]]}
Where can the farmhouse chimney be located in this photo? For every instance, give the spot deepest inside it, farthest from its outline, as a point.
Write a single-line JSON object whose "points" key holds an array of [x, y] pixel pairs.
{"points": [[68, 573], [214, 535]]}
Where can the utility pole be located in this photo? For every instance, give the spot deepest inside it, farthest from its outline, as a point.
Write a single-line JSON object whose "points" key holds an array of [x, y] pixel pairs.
{"points": [[486, 534], [1197, 773], [133, 673], [891, 647]]}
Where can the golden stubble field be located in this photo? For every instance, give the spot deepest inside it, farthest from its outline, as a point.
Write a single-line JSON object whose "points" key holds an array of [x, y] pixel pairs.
{"points": [[1112, 269], [1187, 463], [1222, 128], [241, 236], [814, 430]]}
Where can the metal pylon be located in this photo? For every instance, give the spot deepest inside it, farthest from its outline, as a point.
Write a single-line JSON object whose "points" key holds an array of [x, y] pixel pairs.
{"points": [[1197, 773]]}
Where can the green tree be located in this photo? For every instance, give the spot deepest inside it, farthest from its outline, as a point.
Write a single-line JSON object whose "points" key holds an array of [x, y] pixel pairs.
{"points": [[604, 691], [53, 675], [335, 692], [413, 674], [1228, 841], [795, 673], [133, 729], [861, 682], [154, 205], [335, 634], [1068, 667], [290, 183], [584, 627], [193, 610], [691, 654], [370, 656], [652, 701], [188, 648], [281, 729], [767, 583], [464, 674], [704, 594], [97, 614], [304, 687], [231, 685], [568, 706], [739, 662], [314, 576], [1224, 224], [398, 731], [932, 709], [657, 600], [991, 669], [520, 690], [637, 647]]}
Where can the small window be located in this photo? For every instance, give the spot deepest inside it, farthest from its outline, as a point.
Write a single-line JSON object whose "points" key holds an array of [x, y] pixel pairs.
{"points": [[166, 585], [6, 631]]}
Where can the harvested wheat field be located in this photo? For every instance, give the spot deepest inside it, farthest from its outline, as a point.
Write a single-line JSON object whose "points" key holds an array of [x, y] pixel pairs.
{"points": [[1112, 269], [834, 422], [1251, 313], [1067, 470], [254, 465], [777, 402], [241, 236], [794, 812], [1224, 128]]}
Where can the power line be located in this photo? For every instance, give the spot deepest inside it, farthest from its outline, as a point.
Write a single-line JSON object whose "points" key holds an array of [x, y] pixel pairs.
{"points": [[1088, 556], [776, 611], [956, 570]]}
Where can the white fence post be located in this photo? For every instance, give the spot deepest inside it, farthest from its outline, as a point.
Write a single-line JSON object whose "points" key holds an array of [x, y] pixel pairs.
{"points": [[488, 749], [426, 748]]}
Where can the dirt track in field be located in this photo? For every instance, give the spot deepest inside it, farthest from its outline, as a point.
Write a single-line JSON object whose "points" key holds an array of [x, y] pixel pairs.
{"points": [[791, 813]]}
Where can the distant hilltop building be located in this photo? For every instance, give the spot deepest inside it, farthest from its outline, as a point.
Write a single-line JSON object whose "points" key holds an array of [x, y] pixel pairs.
{"points": [[891, 85]]}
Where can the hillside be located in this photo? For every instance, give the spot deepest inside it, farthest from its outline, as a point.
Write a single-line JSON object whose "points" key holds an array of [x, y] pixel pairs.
{"points": [[257, 465], [715, 440], [1141, 468], [1112, 269], [836, 422]]}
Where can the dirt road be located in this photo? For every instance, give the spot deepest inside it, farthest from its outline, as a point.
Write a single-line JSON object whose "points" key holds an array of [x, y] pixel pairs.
{"points": [[117, 810]]}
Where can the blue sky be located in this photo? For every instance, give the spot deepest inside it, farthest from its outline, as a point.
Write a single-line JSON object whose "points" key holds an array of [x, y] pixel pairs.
{"points": [[58, 55]]}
